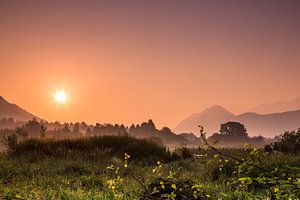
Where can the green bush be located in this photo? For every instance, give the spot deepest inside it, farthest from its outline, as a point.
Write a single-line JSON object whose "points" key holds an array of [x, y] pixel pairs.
{"points": [[92, 148], [183, 153]]}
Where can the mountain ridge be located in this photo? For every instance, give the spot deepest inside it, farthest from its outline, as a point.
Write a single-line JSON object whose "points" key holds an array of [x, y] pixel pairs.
{"points": [[279, 106], [267, 125], [11, 110]]}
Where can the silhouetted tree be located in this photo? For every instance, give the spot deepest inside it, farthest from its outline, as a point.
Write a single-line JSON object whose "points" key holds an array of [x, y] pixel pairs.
{"points": [[33, 127], [76, 128], [43, 131], [166, 130], [151, 125], [288, 142], [21, 132], [97, 128], [66, 128], [233, 129], [231, 134], [83, 127], [290, 136], [88, 131]]}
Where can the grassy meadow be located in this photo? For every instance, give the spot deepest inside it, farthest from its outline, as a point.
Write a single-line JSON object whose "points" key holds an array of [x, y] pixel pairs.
{"points": [[122, 167]]}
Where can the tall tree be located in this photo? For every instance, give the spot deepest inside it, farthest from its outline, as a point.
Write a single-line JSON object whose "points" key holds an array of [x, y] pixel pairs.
{"points": [[233, 129]]}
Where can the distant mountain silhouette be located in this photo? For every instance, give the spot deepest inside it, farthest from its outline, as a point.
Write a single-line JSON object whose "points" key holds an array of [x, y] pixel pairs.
{"points": [[280, 106], [9, 110], [211, 118], [268, 125]]}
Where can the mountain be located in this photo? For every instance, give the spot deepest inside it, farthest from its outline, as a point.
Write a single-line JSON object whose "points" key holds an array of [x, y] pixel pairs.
{"points": [[210, 118], [268, 125], [9, 110], [280, 106]]}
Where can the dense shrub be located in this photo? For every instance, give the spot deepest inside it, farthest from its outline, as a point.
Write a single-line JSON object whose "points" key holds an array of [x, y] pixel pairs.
{"points": [[183, 153], [92, 148], [289, 142]]}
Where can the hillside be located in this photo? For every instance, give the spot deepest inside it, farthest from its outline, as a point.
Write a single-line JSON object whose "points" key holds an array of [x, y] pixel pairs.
{"points": [[9, 110], [267, 125], [279, 106]]}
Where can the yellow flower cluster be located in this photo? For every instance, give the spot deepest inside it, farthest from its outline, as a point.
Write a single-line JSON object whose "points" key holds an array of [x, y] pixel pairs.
{"points": [[113, 184], [126, 158]]}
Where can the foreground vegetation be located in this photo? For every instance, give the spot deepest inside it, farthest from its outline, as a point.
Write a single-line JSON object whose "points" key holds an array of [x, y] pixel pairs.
{"points": [[122, 167]]}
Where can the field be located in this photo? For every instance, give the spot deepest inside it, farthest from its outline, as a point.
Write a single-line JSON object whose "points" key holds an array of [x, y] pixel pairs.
{"points": [[122, 167]]}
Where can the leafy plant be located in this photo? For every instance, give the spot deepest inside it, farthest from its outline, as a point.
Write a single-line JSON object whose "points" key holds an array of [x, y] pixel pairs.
{"points": [[277, 184]]}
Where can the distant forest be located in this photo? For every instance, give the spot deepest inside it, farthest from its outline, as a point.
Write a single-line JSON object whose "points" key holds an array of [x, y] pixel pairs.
{"points": [[231, 134], [57, 130]]}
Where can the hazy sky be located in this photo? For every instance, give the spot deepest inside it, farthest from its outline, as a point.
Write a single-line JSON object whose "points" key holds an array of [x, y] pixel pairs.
{"points": [[128, 61]]}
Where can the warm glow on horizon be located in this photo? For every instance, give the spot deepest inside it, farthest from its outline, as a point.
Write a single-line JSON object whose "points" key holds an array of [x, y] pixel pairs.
{"points": [[121, 62], [60, 97]]}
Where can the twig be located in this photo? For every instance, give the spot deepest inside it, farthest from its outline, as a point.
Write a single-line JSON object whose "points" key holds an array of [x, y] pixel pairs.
{"points": [[276, 177], [267, 182], [234, 158], [138, 180]]}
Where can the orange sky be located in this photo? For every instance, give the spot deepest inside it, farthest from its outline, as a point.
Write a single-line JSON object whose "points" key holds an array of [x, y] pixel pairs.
{"points": [[128, 61]]}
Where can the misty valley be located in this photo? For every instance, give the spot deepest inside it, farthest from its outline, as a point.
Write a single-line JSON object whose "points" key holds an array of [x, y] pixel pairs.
{"points": [[149, 100], [53, 160]]}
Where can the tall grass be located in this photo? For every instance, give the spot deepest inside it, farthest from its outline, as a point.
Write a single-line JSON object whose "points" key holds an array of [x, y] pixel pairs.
{"points": [[92, 148]]}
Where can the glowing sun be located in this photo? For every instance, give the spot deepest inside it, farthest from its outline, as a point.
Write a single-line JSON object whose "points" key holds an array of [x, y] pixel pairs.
{"points": [[60, 97]]}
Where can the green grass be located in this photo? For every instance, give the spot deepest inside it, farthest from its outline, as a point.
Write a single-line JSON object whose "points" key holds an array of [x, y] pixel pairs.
{"points": [[37, 170], [92, 148]]}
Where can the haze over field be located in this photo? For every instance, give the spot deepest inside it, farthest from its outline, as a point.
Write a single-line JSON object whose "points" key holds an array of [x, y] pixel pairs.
{"points": [[128, 61], [150, 99], [268, 125]]}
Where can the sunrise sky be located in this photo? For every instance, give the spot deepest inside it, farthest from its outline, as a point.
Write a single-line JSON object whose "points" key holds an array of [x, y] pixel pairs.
{"points": [[128, 61]]}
